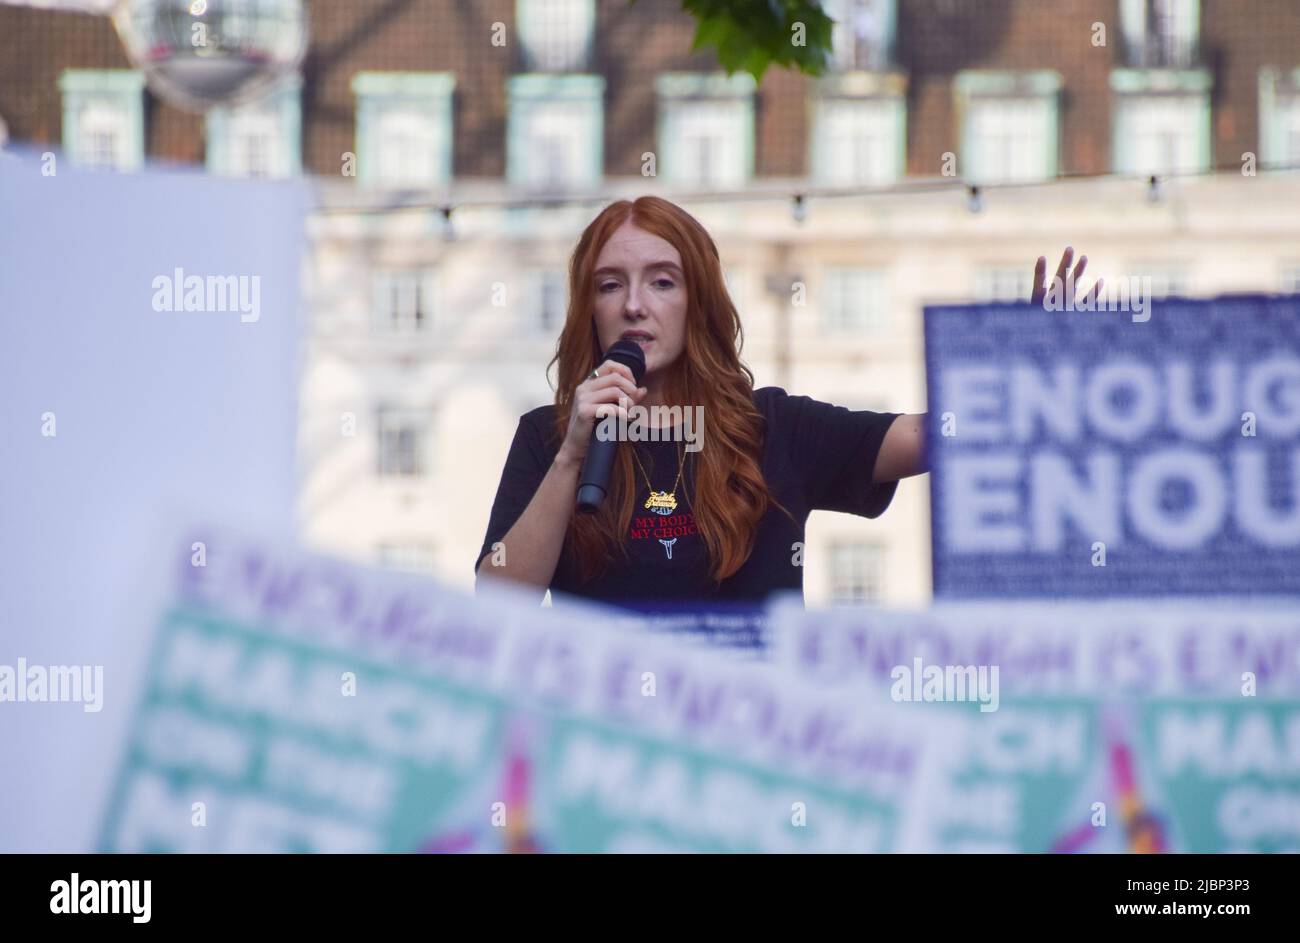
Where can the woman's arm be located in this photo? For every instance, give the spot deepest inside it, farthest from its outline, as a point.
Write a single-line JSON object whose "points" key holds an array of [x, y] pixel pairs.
{"points": [[902, 453], [532, 545]]}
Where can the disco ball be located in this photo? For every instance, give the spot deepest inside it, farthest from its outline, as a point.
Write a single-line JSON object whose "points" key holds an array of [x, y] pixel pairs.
{"points": [[200, 53]]}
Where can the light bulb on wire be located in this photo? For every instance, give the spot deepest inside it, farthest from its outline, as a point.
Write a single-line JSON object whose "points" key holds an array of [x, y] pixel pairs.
{"points": [[799, 208]]}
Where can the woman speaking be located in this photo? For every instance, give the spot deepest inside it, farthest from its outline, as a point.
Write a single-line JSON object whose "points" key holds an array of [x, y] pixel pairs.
{"points": [[720, 518]]}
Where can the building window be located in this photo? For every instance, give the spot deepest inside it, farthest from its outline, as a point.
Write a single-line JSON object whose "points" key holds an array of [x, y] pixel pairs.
{"points": [[406, 148], [556, 34], [1167, 278], [1010, 140], [863, 36], [103, 117], [708, 144], [404, 128], [403, 301], [1009, 125], [103, 136], [706, 129], [258, 139], [1161, 120], [402, 439], [555, 134], [547, 292], [734, 279], [857, 571], [853, 300], [1162, 134], [859, 140], [1003, 283], [1279, 118], [406, 556], [1160, 34]]}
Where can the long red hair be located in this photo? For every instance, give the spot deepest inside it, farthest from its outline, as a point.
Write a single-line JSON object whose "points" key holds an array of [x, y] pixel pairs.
{"points": [[730, 494]]}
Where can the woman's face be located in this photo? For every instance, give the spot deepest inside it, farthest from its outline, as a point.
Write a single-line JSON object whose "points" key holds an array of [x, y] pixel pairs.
{"points": [[641, 295]]}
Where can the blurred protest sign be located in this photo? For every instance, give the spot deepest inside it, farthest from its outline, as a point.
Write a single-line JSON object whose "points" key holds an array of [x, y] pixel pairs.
{"points": [[738, 628], [299, 703], [1098, 453], [1112, 727], [121, 408]]}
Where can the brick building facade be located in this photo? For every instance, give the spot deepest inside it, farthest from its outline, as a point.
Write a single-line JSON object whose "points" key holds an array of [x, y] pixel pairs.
{"points": [[932, 41]]}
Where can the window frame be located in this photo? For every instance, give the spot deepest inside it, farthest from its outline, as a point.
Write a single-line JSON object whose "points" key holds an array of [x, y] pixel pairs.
{"points": [[1131, 86], [888, 93], [395, 418], [530, 95], [388, 323], [974, 88], [678, 91], [424, 94], [1137, 44], [387, 549], [283, 103], [885, 57], [1183, 276], [840, 281], [121, 89], [1279, 95], [994, 274], [528, 19], [873, 552]]}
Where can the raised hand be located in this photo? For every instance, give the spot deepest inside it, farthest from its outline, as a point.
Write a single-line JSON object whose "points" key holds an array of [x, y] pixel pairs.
{"points": [[1069, 281]]}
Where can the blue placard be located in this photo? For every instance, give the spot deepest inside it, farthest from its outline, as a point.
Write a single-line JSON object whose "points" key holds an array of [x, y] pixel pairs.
{"points": [[1099, 453]]}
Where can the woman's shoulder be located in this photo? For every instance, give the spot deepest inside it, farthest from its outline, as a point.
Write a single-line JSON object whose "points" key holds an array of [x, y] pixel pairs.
{"points": [[766, 395], [541, 416], [541, 423], [774, 402], [793, 413]]}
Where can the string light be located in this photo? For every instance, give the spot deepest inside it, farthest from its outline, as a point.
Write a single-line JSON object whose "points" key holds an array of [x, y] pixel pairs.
{"points": [[799, 199], [799, 208], [1154, 193]]}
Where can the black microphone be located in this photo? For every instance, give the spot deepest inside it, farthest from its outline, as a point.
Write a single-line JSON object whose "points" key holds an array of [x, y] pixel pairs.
{"points": [[593, 483]]}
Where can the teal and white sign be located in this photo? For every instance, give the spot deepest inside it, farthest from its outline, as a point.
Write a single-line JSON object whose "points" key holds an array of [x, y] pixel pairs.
{"points": [[295, 703], [1098, 727]]}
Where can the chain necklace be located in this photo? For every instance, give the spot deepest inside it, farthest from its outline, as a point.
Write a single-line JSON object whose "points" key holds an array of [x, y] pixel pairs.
{"points": [[661, 502]]}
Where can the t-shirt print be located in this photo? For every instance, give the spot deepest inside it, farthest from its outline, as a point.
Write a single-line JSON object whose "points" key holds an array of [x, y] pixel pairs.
{"points": [[666, 530], [662, 527]]}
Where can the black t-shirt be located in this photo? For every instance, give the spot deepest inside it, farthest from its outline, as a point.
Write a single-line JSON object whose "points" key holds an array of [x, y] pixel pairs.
{"points": [[816, 456]]}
